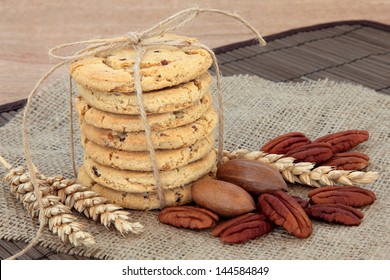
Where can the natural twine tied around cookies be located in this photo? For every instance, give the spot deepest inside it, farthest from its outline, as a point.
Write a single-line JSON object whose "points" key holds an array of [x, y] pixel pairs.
{"points": [[45, 195], [140, 41]]}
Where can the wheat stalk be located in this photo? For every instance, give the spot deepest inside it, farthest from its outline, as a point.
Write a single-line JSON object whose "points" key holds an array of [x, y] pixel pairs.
{"points": [[56, 215], [304, 172], [93, 205]]}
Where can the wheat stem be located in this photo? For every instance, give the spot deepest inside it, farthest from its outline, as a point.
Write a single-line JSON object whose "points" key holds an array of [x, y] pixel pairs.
{"points": [[93, 205], [305, 172], [57, 216]]}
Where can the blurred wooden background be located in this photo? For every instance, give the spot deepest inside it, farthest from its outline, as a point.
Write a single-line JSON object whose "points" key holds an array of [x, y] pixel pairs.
{"points": [[29, 28]]}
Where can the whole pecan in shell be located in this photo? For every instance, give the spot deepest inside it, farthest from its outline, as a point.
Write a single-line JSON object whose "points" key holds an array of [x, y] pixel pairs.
{"points": [[344, 140], [188, 217], [313, 152], [282, 209], [347, 195], [224, 198], [336, 213], [283, 143], [253, 176], [242, 228], [348, 161]]}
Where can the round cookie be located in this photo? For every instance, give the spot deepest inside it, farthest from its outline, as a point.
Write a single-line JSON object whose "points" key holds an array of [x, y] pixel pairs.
{"points": [[139, 182], [161, 101], [140, 161], [130, 123], [137, 201], [161, 67], [171, 138]]}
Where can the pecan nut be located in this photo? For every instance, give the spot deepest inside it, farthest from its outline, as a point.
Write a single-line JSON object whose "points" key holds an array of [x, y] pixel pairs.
{"points": [[242, 228], [347, 195], [283, 143], [224, 198], [253, 176], [344, 140], [336, 213], [282, 209], [313, 152], [348, 161], [188, 217], [304, 203]]}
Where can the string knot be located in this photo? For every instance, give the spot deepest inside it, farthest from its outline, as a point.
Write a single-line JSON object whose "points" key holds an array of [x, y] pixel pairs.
{"points": [[134, 38], [140, 41]]}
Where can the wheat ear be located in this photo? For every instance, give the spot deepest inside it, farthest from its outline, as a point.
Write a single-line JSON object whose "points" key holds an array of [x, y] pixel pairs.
{"points": [[93, 205], [305, 172], [57, 215]]}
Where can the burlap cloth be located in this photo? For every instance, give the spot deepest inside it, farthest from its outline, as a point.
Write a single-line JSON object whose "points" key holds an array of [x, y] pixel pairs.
{"points": [[255, 111]]}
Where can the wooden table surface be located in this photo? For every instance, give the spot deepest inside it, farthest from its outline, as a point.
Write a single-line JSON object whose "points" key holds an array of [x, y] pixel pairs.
{"points": [[29, 28]]}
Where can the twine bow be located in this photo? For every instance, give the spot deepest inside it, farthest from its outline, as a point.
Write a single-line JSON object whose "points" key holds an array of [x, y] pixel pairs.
{"points": [[141, 42], [141, 39]]}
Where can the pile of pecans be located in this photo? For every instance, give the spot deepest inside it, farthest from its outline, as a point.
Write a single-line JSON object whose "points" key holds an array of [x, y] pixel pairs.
{"points": [[248, 199], [329, 150]]}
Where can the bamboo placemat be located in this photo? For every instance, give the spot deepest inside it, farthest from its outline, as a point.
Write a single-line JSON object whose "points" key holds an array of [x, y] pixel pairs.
{"points": [[356, 51]]}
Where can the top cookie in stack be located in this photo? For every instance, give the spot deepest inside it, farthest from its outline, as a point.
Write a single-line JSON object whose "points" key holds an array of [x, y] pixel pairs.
{"points": [[177, 100]]}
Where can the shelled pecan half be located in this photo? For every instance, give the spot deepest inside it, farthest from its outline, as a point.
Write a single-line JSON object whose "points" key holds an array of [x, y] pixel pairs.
{"points": [[313, 152], [348, 161], [188, 217], [304, 203], [347, 195], [336, 213], [242, 228], [282, 209], [283, 143], [344, 140]]}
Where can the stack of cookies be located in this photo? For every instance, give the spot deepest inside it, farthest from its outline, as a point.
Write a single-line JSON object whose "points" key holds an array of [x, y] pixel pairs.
{"points": [[177, 100]]}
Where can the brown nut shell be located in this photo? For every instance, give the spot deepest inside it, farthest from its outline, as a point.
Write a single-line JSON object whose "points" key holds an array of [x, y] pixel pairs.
{"points": [[253, 176], [221, 197]]}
